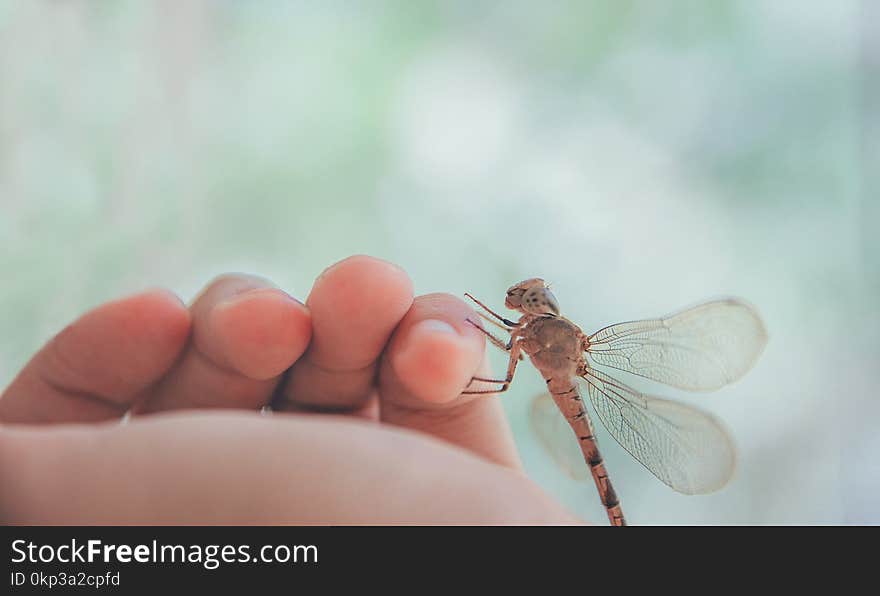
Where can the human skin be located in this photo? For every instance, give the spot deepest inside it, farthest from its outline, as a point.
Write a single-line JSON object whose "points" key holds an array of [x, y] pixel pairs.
{"points": [[369, 426]]}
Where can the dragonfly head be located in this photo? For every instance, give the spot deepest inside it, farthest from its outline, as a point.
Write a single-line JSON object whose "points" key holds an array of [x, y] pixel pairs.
{"points": [[533, 297]]}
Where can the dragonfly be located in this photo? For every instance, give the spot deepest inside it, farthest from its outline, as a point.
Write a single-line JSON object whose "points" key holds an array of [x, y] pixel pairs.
{"points": [[702, 348]]}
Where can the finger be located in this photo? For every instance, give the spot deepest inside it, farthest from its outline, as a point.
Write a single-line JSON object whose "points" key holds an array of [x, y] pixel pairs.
{"points": [[355, 305], [431, 358], [96, 367], [246, 333], [225, 468]]}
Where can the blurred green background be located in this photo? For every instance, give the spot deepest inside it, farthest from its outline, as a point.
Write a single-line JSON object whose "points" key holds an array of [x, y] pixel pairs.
{"points": [[642, 155]]}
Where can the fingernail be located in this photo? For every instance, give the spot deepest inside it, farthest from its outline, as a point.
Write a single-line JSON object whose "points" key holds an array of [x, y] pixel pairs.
{"points": [[171, 296], [434, 326], [247, 294], [413, 339]]}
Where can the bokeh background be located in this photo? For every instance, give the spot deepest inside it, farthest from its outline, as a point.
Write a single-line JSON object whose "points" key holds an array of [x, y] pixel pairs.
{"points": [[642, 155]]}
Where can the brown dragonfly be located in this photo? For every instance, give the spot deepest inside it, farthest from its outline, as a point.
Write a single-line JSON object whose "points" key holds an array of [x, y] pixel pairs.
{"points": [[699, 349]]}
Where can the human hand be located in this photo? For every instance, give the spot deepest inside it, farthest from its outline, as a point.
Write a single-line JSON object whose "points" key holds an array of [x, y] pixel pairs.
{"points": [[402, 445]]}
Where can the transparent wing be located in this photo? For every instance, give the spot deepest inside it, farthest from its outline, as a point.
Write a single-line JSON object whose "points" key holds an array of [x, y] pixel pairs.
{"points": [[682, 446], [556, 436], [699, 349]]}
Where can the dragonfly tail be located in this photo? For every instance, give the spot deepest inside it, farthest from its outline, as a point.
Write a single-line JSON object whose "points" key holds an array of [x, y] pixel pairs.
{"points": [[570, 403]]}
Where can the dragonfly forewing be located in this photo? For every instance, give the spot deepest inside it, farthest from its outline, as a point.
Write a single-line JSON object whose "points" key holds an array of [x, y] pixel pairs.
{"points": [[699, 349]]}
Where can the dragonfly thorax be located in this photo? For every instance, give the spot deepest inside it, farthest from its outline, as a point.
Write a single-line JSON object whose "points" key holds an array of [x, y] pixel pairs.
{"points": [[553, 344]]}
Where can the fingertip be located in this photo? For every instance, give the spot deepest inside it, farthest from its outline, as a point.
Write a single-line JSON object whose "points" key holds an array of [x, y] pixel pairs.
{"points": [[261, 332], [364, 264], [362, 279], [433, 356], [154, 322], [434, 361], [159, 310], [355, 305], [96, 366]]}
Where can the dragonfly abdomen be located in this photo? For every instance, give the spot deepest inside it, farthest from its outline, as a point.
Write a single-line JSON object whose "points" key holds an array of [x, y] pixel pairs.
{"points": [[568, 400]]}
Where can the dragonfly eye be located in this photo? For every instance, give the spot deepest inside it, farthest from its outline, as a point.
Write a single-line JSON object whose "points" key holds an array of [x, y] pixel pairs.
{"points": [[540, 301]]}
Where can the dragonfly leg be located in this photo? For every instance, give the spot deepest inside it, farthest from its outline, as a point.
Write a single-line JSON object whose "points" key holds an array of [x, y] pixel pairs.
{"points": [[497, 342], [505, 382], [507, 322], [492, 321]]}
